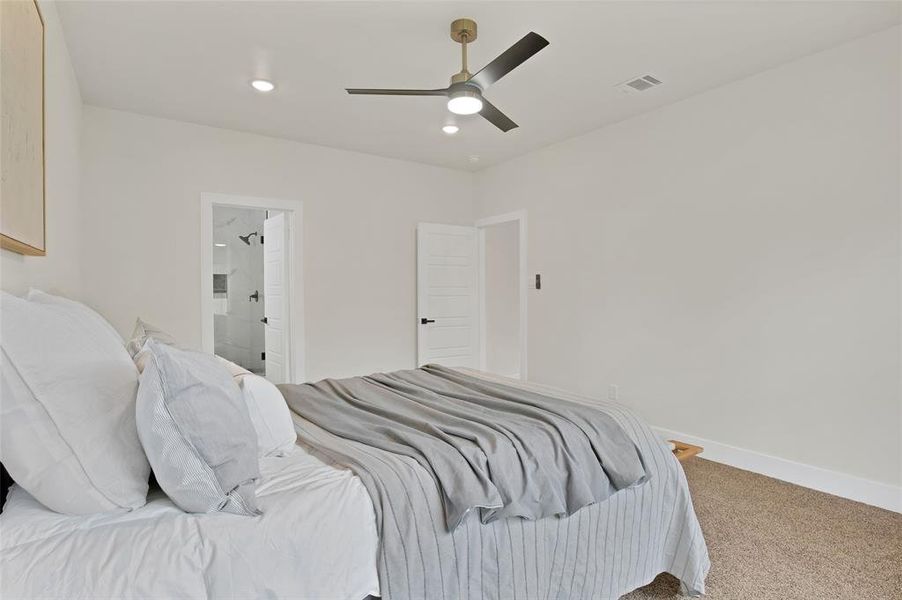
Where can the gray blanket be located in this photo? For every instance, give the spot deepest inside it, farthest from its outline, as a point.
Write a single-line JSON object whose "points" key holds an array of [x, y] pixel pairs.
{"points": [[601, 552], [505, 451]]}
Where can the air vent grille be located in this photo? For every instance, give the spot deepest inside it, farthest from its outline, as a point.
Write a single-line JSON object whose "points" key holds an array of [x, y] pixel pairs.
{"points": [[639, 84]]}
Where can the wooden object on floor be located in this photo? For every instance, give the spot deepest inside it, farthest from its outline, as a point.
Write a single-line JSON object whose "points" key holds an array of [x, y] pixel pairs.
{"points": [[684, 451]]}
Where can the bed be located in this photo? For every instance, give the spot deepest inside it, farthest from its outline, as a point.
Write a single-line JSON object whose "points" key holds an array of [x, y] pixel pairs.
{"points": [[316, 538], [334, 527]]}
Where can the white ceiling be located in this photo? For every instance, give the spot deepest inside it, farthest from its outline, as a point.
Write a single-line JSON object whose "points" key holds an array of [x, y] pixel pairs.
{"points": [[192, 61]]}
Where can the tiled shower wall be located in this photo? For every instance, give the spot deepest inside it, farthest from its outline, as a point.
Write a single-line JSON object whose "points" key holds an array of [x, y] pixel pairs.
{"points": [[237, 328]]}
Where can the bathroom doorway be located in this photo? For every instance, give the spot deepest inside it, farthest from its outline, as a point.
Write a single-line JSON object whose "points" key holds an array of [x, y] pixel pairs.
{"points": [[248, 285]]}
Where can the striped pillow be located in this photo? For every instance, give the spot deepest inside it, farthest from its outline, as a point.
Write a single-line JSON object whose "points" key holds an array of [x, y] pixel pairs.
{"points": [[196, 431]]}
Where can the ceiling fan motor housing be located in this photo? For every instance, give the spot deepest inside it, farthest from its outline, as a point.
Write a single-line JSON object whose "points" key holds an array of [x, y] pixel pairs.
{"points": [[467, 88]]}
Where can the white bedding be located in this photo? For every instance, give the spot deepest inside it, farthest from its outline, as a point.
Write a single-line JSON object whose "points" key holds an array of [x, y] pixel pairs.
{"points": [[316, 539]]}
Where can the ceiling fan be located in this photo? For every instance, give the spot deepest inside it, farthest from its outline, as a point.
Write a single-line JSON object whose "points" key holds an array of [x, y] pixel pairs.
{"points": [[465, 92]]}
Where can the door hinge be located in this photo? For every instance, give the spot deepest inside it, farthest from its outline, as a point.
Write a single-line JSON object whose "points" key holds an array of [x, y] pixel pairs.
{"points": [[263, 356]]}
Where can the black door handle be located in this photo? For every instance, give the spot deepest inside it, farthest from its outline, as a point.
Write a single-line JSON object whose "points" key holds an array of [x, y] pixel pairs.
{"points": [[425, 321], [264, 320]]}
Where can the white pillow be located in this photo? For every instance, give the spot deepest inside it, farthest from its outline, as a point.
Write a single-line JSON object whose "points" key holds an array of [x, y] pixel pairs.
{"points": [[67, 420], [36, 295], [268, 410], [270, 416], [196, 431]]}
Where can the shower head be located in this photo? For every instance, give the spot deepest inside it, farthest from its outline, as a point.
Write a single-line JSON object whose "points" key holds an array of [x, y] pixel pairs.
{"points": [[247, 238]]}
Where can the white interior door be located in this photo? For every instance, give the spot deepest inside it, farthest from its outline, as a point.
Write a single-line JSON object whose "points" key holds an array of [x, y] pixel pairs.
{"points": [[275, 297], [447, 295]]}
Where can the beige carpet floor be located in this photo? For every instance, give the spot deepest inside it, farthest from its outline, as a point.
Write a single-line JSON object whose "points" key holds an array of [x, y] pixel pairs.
{"points": [[771, 539]]}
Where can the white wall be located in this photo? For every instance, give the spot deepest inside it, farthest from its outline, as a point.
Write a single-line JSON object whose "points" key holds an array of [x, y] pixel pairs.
{"points": [[732, 261], [142, 178], [59, 269], [502, 298]]}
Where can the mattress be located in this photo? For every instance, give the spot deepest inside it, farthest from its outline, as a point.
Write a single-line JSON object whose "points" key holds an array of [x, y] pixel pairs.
{"points": [[316, 539]]}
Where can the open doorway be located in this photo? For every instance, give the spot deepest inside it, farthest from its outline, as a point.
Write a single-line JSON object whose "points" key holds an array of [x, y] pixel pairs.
{"points": [[250, 284], [502, 294]]}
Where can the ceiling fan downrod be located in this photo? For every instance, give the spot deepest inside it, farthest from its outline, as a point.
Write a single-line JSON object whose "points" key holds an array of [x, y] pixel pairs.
{"points": [[463, 31]]}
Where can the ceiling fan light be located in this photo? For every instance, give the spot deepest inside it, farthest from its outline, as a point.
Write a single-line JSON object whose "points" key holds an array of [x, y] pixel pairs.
{"points": [[465, 102]]}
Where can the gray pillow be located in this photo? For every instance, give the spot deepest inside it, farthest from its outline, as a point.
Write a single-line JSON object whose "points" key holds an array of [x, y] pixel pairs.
{"points": [[196, 431]]}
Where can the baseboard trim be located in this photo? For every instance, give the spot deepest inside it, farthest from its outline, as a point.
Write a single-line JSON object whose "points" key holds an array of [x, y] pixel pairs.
{"points": [[878, 494]]}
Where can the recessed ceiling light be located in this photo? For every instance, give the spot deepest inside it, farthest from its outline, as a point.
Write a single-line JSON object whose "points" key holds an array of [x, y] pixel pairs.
{"points": [[262, 85], [220, 245], [450, 129]]}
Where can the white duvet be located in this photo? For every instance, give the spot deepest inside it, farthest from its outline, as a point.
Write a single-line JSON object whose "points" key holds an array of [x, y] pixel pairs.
{"points": [[316, 539]]}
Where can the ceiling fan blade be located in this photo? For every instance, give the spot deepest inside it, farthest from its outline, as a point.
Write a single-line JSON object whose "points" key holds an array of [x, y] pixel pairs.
{"points": [[509, 60], [497, 118], [391, 92]]}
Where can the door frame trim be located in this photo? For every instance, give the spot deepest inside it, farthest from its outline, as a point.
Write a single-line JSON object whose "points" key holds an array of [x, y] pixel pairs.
{"points": [[520, 216], [295, 305]]}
